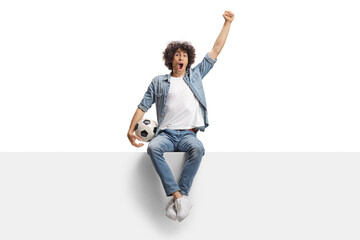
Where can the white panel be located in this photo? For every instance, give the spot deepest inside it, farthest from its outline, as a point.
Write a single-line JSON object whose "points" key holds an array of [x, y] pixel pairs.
{"points": [[236, 196]]}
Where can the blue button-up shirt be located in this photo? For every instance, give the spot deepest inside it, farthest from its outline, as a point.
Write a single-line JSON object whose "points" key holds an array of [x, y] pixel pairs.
{"points": [[158, 90]]}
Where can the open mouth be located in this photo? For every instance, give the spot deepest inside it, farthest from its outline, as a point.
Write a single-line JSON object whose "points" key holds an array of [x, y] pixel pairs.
{"points": [[180, 66]]}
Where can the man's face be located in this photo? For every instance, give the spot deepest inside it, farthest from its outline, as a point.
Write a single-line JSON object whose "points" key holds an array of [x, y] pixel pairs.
{"points": [[180, 61]]}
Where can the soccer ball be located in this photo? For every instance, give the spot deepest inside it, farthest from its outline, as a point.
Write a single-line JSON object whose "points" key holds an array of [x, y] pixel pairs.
{"points": [[146, 129]]}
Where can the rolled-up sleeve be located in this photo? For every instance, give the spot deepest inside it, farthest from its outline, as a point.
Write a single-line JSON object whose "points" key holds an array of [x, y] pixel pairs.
{"points": [[206, 65], [148, 99]]}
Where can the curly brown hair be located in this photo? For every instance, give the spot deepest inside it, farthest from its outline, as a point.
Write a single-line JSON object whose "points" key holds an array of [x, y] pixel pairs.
{"points": [[171, 49]]}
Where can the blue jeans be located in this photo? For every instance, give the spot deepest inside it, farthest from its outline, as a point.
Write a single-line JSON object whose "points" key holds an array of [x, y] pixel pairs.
{"points": [[169, 140]]}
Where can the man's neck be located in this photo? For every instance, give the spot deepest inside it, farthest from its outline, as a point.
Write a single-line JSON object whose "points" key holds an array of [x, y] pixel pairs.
{"points": [[177, 74]]}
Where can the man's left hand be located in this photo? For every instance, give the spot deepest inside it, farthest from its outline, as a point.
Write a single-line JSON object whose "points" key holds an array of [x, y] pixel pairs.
{"points": [[228, 16]]}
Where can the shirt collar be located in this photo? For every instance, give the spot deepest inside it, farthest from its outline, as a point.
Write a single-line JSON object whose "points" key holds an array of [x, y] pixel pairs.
{"points": [[188, 73]]}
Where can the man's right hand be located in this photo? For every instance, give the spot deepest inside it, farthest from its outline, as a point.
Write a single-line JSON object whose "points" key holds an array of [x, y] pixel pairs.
{"points": [[132, 138]]}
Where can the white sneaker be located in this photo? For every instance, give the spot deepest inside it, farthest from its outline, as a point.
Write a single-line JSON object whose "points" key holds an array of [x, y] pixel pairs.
{"points": [[182, 207], [170, 210]]}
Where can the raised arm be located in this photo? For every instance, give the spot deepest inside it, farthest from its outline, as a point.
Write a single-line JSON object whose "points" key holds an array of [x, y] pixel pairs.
{"points": [[221, 39]]}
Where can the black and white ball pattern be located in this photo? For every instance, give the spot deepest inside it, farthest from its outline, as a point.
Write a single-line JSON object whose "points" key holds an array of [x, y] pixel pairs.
{"points": [[146, 129]]}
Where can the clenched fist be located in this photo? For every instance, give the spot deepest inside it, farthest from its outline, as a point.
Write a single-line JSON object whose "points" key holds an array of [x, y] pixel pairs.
{"points": [[228, 16]]}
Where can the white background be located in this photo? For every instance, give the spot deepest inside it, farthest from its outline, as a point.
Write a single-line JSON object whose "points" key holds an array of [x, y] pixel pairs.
{"points": [[73, 72]]}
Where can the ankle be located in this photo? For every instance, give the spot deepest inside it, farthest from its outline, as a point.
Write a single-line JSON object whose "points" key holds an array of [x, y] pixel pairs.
{"points": [[177, 195]]}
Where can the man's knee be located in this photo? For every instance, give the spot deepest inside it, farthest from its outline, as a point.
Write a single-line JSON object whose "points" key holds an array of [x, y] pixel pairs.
{"points": [[154, 148], [197, 150]]}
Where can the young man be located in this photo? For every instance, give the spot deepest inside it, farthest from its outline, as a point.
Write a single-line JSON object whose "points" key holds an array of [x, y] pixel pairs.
{"points": [[181, 112]]}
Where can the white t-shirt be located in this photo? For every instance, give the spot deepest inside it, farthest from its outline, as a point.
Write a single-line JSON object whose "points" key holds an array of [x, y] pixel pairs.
{"points": [[182, 110]]}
